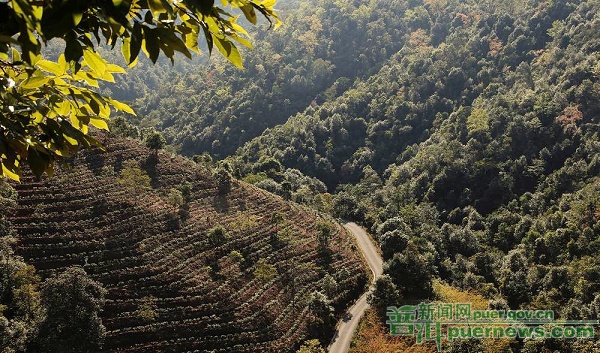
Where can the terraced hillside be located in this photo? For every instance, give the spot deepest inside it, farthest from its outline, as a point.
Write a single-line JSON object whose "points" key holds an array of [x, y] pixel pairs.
{"points": [[200, 270]]}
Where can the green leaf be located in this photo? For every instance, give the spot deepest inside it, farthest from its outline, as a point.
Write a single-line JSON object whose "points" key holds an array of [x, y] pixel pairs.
{"points": [[99, 123], [241, 40], [63, 62], [169, 42], [77, 16], [228, 50], [80, 122], [121, 106], [157, 6], [266, 9], [94, 104], [108, 77], [151, 45], [249, 12], [35, 81], [50, 67], [135, 43], [191, 38], [116, 69], [206, 6], [73, 49], [203, 6], [126, 49], [37, 161], [11, 171], [89, 79], [60, 17], [16, 56], [208, 37], [94, 61], [8, 39]]}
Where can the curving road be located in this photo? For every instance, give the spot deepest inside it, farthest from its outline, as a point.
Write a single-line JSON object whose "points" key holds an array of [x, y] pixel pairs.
{"points": [[345, 329]]}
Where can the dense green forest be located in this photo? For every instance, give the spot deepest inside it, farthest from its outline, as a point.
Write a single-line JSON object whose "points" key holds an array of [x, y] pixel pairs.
{"points": [[467, 131], [323, 47], [464, 134], [477, 145]]}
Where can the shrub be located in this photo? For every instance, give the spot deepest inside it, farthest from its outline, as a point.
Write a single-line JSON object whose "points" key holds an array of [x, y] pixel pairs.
{"points": [[147, 309], [133, 177], [217, 235]]}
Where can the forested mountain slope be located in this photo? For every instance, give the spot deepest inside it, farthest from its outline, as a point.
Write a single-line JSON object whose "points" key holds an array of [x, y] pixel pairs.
{"points": [[317, 54], [473, 154], [454, 56], [191, 260], [464, 134]]}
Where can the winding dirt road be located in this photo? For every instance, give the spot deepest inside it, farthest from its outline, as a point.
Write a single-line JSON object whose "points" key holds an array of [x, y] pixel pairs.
{"points": [[345, 329]]}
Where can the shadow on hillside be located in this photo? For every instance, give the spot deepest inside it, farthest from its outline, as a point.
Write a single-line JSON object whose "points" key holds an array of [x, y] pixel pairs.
{"points": [[95, 161], [149, 165], [275, 242], [221, 203], [118, 163], [325, 258]]}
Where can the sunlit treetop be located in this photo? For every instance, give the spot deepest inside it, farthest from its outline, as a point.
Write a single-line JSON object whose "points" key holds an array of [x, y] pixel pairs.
{"points": [[47, 106]]}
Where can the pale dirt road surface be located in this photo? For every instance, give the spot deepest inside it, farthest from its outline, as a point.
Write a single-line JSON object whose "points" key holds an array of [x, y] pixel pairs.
{"points": [[345, 329]]}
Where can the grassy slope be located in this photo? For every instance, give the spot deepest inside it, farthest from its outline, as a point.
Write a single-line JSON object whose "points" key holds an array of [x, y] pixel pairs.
{"points": [[139, 246]]}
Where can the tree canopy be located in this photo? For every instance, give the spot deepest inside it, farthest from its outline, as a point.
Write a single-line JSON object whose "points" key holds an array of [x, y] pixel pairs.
{"points": [[47, 106]]}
